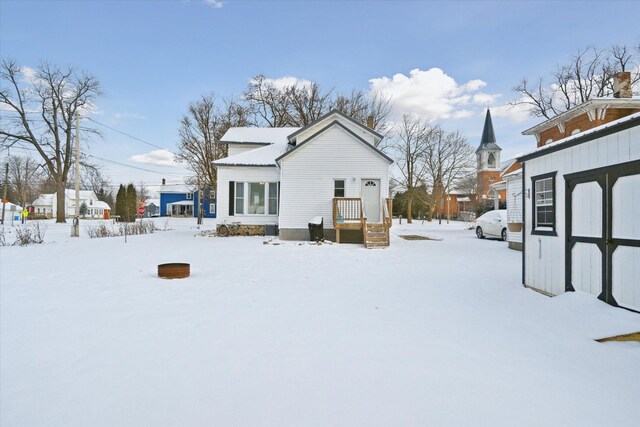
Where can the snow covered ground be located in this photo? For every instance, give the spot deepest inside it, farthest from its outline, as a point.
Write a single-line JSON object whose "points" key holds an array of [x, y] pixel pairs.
{"points": [[424, 332]]}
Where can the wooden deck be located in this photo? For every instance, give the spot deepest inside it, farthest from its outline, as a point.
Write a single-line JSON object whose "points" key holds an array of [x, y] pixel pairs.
{"points": [[349, 213]]}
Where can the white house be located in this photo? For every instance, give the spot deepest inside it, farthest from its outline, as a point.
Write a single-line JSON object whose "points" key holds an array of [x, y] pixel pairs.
{"points": [[46, 205], [581, 198], [283, 177]]}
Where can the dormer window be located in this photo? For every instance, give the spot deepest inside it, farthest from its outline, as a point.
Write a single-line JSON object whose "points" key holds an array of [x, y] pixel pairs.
{"points": [[491, 161]]}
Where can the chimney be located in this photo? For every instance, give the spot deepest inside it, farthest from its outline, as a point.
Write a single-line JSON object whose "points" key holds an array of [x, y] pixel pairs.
{"points": [[622, 85], [370, 122], [163, 181]]}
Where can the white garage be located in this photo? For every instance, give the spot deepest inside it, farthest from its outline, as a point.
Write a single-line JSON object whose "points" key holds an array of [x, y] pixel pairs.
{"points": [[581, 214]]}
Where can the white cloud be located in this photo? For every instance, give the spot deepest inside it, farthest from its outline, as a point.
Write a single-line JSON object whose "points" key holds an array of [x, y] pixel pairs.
{"points": [[517, 113], [432, 94], [155, 157], [285, 81], [29, 75], [216, 4]]}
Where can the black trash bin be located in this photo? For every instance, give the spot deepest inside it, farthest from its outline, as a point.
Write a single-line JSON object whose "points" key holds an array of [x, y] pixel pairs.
{"points": [[316, 232]]}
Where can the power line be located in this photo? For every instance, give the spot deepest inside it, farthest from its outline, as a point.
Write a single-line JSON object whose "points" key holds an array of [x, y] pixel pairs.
{"points": [[128, 135], [134, 167]]}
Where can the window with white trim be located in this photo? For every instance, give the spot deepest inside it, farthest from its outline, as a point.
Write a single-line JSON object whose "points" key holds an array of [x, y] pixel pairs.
{"points": [[256, 198], [273, 198], [189, 196], [212, 208], [239, 198]]}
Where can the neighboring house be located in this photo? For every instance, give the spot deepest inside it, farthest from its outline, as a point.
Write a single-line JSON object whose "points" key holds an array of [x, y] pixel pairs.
{"points": [[581, 201], [513, 188], [12, 212], [178, 200], [46, 206], [284, 177], [151, 208]]}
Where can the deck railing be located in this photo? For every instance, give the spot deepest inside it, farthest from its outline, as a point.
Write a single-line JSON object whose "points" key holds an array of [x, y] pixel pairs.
{"points": [[347, 209]]}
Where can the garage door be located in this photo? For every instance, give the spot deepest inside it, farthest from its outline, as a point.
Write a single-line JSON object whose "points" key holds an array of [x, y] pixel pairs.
{"points": [[603, 229]]}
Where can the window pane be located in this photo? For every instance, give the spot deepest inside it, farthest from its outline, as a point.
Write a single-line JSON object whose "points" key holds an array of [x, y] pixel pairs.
{"points": [[338, 188], [273, 198], [256, 198], [240, 197], [544, 213]]}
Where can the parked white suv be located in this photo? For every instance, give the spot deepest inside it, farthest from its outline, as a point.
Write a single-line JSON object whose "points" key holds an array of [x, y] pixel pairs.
{"points": [[492, 224]]}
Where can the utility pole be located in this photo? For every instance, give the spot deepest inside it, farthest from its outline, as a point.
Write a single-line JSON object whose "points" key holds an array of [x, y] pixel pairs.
{"points": [[6, 184], [75, 231]]}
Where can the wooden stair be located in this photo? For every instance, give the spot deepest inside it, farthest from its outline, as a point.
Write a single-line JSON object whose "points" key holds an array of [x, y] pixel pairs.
{"points": [[376, 236]]}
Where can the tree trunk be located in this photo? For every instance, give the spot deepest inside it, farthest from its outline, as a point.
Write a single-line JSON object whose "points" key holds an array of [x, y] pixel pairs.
{"points": [[61, 213], [409, 203]]}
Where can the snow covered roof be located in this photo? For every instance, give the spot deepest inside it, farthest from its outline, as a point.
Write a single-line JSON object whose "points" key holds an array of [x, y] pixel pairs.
{"points": [[263, 156], [514, 173], [182, 203], [84, 194], [174, 188], [604, 102], [152, 201], [44, 200], [255, 135], [550, 147], [100, 204]]}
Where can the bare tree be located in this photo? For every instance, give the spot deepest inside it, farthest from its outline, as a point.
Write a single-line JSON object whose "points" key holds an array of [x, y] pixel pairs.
{"points": [[267, 103], [25, 174], [448, 159], [200, 132], [587, 75], [363, 107], [45, 109], [410, 146]]}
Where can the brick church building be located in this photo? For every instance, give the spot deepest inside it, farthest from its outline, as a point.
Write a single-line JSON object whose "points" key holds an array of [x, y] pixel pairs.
{"points": [[489, 171]]}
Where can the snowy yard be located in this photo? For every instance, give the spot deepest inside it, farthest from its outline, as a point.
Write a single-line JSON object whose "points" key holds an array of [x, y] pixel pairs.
{"points": [[424, 332]]}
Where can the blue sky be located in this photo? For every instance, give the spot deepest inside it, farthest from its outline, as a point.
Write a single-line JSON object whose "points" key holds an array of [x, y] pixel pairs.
{"points": [[154, 57]]}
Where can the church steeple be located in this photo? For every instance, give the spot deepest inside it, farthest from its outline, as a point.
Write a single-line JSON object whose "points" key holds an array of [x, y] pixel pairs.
{"points": [[488, 141]]}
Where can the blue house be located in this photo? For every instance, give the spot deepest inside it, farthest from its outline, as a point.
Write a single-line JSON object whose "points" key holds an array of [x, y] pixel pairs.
{"points": [[179, 201]]}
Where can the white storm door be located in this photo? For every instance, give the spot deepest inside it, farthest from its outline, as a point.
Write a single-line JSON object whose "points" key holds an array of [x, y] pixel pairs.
{"points": [[370, 193]]}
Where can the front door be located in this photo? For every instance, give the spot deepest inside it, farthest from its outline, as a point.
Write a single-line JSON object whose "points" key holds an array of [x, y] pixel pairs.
{"points": [[603, 233], [370, 193]]}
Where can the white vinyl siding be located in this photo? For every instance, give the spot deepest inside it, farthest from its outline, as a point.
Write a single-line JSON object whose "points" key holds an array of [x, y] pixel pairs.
{"points": [[308, 174], [241, 148], [544, 255], [514, 205], [358, 130], [243, 174]]}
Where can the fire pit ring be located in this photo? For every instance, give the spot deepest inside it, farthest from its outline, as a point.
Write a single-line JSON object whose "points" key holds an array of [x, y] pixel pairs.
{"points": [[174, 270]]}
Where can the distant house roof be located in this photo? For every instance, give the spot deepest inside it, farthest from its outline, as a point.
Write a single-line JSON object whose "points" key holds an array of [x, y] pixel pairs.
{"points": [[43, 200], [613, 126], [152, 202], [604, 102], [100, 204], [174, 188], [256, 135]]}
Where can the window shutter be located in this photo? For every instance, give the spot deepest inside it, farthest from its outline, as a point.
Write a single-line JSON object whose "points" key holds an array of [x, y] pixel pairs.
{"points": [[232, 197]]}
